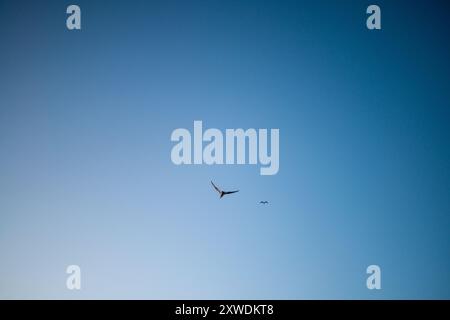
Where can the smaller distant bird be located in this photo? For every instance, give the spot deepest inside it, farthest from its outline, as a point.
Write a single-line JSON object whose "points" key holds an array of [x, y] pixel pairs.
{"points": [[264, 202], [221, 192]]}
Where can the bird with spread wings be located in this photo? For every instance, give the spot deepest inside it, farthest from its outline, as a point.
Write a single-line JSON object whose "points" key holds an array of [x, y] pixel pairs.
{"points": [[221, 192]]}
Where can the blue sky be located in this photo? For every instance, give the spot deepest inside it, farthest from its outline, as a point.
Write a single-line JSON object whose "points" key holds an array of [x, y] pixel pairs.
{"points": [[86, 175]]}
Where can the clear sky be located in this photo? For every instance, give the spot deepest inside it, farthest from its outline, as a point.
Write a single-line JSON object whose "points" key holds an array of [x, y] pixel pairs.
{"points": [[86, 176]]}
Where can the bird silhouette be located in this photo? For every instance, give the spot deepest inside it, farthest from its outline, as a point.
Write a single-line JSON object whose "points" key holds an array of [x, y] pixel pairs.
{"points": [[221, 192], [264, 202]]}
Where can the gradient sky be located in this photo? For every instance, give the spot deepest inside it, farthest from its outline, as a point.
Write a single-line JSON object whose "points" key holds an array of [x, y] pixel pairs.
{"points": [[86, 176]]}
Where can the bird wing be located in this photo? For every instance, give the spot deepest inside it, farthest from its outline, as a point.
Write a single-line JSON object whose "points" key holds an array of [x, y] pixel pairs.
{"points": [[229, 192], [217, 189]]}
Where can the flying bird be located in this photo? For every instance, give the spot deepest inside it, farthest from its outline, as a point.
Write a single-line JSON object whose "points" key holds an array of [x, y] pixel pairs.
{"points": [[221, 192], [264, 202]]}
